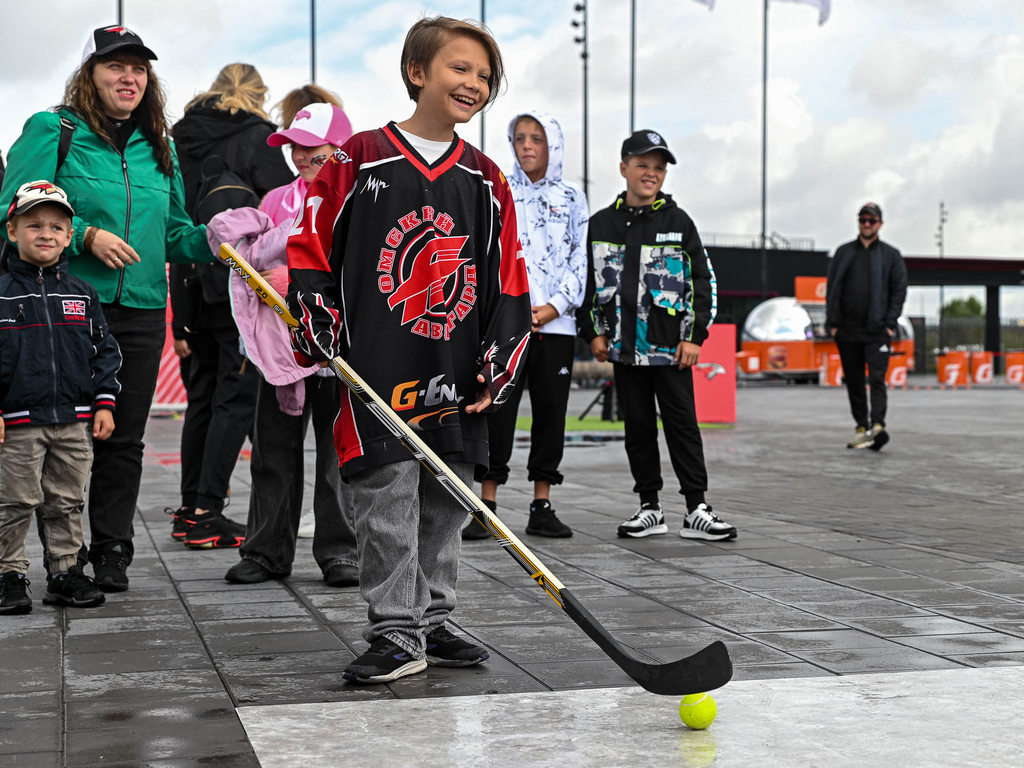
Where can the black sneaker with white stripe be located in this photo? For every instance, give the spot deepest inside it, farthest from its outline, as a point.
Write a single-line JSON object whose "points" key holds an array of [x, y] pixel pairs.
{"points": [[648, 521], [383, 662], [702, 523]]}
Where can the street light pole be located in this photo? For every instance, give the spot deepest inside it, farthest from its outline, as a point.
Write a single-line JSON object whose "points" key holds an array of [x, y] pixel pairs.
{"points": [[940, 239], [582, 38]]}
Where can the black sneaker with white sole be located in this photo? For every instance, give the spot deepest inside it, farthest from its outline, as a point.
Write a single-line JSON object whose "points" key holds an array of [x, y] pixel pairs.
{"points": [[445, 649], [702, 523], [648, 521], [383, 662]]}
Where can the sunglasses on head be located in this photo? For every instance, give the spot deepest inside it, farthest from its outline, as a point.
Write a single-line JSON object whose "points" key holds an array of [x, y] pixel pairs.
{"points": [[867, 220]]}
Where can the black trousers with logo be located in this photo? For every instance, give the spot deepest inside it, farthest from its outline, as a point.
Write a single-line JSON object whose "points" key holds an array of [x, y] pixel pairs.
{"points": [[548, 374], [637, 387], [857, 349]]}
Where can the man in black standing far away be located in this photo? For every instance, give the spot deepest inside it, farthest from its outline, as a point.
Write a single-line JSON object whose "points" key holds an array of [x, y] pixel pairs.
{"points": [[867, 284]]}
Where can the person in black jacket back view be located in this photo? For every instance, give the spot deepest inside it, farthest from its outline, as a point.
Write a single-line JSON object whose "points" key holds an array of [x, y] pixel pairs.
{"points": [[225, 128], [867, 284]]}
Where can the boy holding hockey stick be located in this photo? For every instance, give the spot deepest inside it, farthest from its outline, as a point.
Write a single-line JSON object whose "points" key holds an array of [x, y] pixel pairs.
{"points": [[406, 262], [647, 309]]}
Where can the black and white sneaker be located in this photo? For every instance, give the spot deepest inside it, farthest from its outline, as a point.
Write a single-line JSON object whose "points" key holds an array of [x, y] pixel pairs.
{"points": [[648, 521], [445, 649], [14, 597], [383, 662], [702, 523]]}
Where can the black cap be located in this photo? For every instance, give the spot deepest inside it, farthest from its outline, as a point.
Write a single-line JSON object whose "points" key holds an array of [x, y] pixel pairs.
{"points": [[643, 141], [109, 39], [871, 209]]}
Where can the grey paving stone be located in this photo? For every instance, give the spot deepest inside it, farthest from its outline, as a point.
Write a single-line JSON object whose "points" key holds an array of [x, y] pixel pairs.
{"points": [[894, 659], [975, 642], [914, 625]]}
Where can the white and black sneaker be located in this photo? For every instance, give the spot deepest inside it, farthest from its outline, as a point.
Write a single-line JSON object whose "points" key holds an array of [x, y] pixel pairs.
{"points": [[702, 523], [648, 521]]}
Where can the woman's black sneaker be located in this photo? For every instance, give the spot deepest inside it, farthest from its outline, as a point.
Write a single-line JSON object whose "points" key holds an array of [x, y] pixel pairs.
{"points": [[544, 522], [445, 649], [213, 531], [73, 588], [14, 597], [111, 569], [383, 662]]}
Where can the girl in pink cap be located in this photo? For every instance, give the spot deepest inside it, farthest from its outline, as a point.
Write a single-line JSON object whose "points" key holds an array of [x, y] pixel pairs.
{"points": [[290, 396]]}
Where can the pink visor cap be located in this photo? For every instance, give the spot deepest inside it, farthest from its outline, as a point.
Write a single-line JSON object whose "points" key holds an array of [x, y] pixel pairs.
{"points": [[315, 124]]}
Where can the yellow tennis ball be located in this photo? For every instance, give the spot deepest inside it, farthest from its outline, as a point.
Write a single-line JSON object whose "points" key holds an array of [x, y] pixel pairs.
{"points": [[698, 710]]}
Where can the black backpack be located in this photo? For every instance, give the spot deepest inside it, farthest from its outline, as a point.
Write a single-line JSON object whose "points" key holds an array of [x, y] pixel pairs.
{"points": [[67, 130], [221, 190]]}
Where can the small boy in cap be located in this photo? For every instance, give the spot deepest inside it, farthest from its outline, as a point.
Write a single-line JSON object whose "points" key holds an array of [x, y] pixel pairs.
{"points": [[647, 308], [58, 375]]}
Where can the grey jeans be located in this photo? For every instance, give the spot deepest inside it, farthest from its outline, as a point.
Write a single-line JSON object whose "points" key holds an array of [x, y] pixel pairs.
{"points": [[408, 529], [43, 468]]}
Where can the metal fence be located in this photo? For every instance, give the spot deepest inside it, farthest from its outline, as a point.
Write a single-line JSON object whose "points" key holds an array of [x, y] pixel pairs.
{"points": [[968, 334]]}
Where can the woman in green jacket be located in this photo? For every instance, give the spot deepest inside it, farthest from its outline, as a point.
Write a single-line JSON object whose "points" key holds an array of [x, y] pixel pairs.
{"points": [[121, 175]]}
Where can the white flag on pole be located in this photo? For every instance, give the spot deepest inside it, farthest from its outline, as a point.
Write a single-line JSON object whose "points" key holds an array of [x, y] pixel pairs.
{"points": [[709, 3], [824, 7]]}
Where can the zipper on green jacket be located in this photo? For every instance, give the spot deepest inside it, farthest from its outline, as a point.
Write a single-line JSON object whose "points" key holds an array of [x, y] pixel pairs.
{"points": [[127, 223]]}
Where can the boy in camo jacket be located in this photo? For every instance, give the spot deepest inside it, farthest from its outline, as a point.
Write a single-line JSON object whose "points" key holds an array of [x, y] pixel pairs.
{"points": [[647, 308]]}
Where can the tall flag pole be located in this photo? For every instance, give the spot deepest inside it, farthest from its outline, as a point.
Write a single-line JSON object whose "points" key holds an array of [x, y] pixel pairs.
{"points": [[764, 152], [483, 20], [632, 65], [312, 41]]}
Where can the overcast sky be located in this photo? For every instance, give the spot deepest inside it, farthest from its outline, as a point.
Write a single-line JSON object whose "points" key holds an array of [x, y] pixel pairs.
{"points": [[904, 102]]}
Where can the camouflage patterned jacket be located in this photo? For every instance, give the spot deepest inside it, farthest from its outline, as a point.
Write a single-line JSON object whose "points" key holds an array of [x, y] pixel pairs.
{"points": [[649, 285]]}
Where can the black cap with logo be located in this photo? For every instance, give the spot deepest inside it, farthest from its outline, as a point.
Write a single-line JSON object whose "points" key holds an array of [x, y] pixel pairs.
{"points": [[644, 141], [106, 40]]}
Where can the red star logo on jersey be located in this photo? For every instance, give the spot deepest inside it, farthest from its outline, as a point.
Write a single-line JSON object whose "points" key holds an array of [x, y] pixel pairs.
{"points": [[423, 289]]}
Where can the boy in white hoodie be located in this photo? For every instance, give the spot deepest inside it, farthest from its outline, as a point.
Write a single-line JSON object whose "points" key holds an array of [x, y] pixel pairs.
{"points": [[552, 215]]}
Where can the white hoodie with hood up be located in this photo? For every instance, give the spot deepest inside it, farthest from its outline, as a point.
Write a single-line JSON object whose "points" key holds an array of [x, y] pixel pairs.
{"points": [[553, 217]]}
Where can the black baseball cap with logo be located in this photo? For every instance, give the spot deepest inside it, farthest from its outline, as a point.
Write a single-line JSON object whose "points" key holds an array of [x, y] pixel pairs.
{"points": [[870, 209], [106, 40], [644, 141]]}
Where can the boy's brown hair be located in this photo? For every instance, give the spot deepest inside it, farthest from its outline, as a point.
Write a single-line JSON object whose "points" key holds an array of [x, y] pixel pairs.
{"points": [[427, 36]]}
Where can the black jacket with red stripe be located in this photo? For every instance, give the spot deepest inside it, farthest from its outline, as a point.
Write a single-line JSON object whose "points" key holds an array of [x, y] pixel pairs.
{"points": [[414, 274], [58, 361]]}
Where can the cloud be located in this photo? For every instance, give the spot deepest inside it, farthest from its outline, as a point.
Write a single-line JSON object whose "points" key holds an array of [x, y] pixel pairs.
{"points": [[909, 103]]}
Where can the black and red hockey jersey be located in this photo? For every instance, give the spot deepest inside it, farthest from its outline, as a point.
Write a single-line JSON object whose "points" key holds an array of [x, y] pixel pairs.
{"points": [[414, 274]]}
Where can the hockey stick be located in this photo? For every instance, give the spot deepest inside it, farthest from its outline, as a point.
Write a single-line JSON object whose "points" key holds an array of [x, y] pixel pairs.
{"points": [[705, 670]]}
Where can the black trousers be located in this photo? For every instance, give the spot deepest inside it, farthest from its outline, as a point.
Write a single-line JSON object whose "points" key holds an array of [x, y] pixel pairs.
{"points": [[117, 461], [637, 387], [278, 470], [221, 406], [856, 350], [548, 374]]}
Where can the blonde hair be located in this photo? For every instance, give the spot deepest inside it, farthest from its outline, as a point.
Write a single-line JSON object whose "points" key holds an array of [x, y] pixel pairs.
{"points": [[298, 98], [237, 87]]}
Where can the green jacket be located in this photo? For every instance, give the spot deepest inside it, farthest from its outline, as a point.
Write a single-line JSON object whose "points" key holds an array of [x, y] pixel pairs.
{"points": [[128, 196]]}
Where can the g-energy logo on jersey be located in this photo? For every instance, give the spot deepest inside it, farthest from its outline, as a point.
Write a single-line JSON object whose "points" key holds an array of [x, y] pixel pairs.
{"points": [[406, 395], [422, 271]]}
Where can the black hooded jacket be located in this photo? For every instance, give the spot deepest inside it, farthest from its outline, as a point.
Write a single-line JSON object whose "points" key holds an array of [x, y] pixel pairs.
{"points": [[58, 362], [202, 133]]}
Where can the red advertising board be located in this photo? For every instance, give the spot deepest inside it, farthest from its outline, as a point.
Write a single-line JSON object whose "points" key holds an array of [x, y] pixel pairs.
{"points": [[714, 377]]}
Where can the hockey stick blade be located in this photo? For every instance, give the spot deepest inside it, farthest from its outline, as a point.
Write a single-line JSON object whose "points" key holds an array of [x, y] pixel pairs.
{"points": [[705, 670]]}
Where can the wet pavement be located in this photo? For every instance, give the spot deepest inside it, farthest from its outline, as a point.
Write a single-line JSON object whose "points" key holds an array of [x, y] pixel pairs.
{"points": [[848, 563]]}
